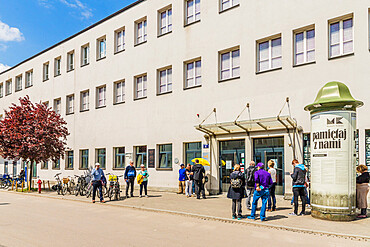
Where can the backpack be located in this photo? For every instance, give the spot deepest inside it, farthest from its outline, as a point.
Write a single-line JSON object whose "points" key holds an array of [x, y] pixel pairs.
{"points": [[198, 173], [250, 176], [236, 183]]}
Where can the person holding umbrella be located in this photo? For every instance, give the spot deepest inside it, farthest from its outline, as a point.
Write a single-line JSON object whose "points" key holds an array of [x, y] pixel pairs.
{"points": [[198, 175]]}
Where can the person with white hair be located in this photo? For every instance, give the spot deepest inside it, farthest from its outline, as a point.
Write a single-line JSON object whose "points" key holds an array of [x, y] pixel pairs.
{"points": [[144, 183], [97, 176]]}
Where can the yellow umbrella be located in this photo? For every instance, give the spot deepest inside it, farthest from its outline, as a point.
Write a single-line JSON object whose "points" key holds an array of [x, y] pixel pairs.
{"points": [[202, 161]]}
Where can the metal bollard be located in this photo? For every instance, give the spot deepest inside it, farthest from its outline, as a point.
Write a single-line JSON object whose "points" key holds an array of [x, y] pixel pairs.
{"points": [[43, 182], [12, 184], [16, 187], [49, 185], [22, 185]]}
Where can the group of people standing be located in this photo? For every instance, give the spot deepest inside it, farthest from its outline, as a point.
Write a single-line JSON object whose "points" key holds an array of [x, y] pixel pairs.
{"points": [[191, 180]]}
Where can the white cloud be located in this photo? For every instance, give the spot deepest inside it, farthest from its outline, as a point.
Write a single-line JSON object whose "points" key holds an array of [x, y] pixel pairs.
{"points": [[84, 10], [8, 33], [3, 67]]}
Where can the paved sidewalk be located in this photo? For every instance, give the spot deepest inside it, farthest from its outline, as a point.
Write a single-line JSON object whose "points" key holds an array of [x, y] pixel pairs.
{"points": [[219, 208]]}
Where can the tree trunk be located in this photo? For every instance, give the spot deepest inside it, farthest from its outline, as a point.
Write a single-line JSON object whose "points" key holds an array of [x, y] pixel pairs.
{"points": [[30, 176]]}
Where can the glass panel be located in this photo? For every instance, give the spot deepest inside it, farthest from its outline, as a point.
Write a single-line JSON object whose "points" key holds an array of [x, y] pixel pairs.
{"points": [[334, 33], [310, 39], [263, 51], [299, 44], [348, 47], [334, 50], [276, 47], [299, 58], [347, 30], [311, 56], [276, 63]]}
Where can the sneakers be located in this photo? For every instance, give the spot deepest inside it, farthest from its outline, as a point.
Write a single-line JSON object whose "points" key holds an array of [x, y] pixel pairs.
{"points": [[93, 201], [127, 196], [239, 218], [251, 218], [302, 214], [140, 196], [269, 210], [234, 217], [292, 214], [102, 201], [362, 216], [146, 196]]}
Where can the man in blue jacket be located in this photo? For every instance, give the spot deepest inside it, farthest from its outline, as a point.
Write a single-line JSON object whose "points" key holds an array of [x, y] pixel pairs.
{"points": [[130, 174], [299, 179], [97, 176]]}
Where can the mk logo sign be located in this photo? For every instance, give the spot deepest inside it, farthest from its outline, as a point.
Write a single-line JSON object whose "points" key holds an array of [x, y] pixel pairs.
{"points": [[336, 120]]}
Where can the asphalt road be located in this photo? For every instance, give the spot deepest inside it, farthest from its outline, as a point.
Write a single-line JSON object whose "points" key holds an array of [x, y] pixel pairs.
{"points": [[36, 221]]}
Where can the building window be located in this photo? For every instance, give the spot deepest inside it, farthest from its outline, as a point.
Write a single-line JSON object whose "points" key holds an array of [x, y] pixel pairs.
{"points": [[8, 87], [44, 165], [269, 54], [367, 147], [101, 96], [56, 165], [57, 63], [165, 81], [193, 75], [304, 47], [70, 61], [165, 21], [70, 104], [192, 150], [100, 157], [192, 11], [18, 83], [226, 4], [141, 31], [119, 157], [165, 156], [230, 64], [101, 45], [14, 169], [84, 159], [85, 55], [140, 87], [45, 72], [29, 78], [69, 160], [341, 37], [84, 100], [120, 40], [1, 90], [57, 106], [5, 167], [140, 156], [119, 92]]}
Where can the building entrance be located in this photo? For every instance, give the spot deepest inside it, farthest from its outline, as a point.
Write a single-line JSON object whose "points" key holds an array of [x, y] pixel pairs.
{"points": [[231, 153], [265, 149]]}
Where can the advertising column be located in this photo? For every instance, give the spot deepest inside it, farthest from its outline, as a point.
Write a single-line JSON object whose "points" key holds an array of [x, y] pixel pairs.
{"points": [[333, 155]]}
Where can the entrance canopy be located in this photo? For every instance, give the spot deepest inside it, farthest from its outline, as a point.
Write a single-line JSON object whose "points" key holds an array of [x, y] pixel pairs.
{"points": [[247, 126]]}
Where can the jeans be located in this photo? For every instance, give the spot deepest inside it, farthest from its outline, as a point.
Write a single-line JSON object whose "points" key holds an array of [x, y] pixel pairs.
{"points": [[264, 195], [363, 211], [272, 197], [236, 202], [250, 191], [181, 187], [308, 202], [130, 181], [144, 185], [188, 187], [97, 185], [199, 187], [299, 191]]}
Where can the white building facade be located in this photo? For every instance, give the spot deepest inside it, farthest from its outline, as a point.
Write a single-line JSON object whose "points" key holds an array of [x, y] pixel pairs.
{"points": [[138, 85]]}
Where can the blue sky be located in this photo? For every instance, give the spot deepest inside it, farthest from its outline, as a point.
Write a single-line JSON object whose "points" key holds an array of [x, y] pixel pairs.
{"points": [[30, 26]]}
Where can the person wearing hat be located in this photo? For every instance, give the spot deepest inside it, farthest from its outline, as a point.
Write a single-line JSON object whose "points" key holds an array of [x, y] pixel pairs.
{"points": [[130, 174], [182, 176], [263, 182], [97, 176]]}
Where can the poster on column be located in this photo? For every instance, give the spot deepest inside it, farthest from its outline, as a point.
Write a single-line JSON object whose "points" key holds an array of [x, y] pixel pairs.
{"points": [[332, 157]]}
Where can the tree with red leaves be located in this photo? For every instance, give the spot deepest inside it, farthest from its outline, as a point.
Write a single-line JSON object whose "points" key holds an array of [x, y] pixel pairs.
{"points": [[32, 132]]}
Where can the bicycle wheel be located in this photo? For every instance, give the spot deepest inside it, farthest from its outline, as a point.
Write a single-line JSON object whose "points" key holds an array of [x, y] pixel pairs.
{"points": [[77, 190], [110, 193], [117, 195], [89, 192], [64, 190]]}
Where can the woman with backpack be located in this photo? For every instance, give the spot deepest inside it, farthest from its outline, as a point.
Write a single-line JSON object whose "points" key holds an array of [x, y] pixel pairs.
{"points": [[236, 191]]}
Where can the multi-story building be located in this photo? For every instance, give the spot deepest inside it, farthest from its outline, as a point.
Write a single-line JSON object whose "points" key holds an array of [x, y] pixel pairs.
{"points": [[139, 83]]}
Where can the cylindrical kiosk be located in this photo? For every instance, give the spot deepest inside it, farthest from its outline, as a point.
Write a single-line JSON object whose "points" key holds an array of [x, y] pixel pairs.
{"points": [[333, 153]]}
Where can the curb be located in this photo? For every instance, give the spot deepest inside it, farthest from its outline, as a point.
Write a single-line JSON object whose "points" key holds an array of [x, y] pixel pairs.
{"points": [[215, 218]]}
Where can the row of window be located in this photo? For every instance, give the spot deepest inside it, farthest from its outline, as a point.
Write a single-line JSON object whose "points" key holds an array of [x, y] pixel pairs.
{"points": [[164, 157]]}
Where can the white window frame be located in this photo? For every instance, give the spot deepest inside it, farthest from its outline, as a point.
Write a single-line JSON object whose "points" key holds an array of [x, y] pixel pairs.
{"points": [[57, 66], [70, 61], [70, 101], [141, 33], [85, 55], [195, 15], [167, 84], [119, 40], [101, 45], [194, 77], [167, 27], [101, 96], [119, 93], [45, 71], [18, 83], [84, 100], [306, 50], [341, 36], [231, 66], [29, 79], [232, 3], [270, 58], [1, 89], [143, 88], [58, 107], [8, 87]]}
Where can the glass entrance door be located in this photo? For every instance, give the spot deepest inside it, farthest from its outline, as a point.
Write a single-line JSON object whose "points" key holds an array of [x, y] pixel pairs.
{"points": [[265, 149], [231, 153]]}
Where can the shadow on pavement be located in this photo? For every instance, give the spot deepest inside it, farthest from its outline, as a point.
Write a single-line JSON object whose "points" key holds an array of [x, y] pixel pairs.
{"points": [[276, 217], [4, 203]]}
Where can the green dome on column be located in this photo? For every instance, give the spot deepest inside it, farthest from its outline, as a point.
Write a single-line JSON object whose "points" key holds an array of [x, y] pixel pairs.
{"points": [[334, 95]]}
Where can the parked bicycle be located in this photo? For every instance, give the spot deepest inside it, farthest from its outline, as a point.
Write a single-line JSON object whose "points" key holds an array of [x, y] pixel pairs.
{"points": [[81, 185], [68, 185], [114, 190], [6, 181], [59, 186]]}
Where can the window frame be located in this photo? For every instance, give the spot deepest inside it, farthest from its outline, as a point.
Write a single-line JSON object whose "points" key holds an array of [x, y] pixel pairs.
{"points": [[144, 89], [45, 76], [167, 83], [99, 53], [101, 157], [97, 102], [231, 67], [123, 92], [137, 154], [169, 25], [340, 20], [55, 165], [85, 54], [270, 58], [121, 156], [116, 39], [28, 80], [57, 66], [69, 166], [192, 151], [221, 2], [55, 105], [186, 16], [70, 109], [82, 102], [193, 61], [18, 83], [166, 153], [70, 62], [82, 157], [303, 30], [1, 89], [144, 35], [8, 87]]}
